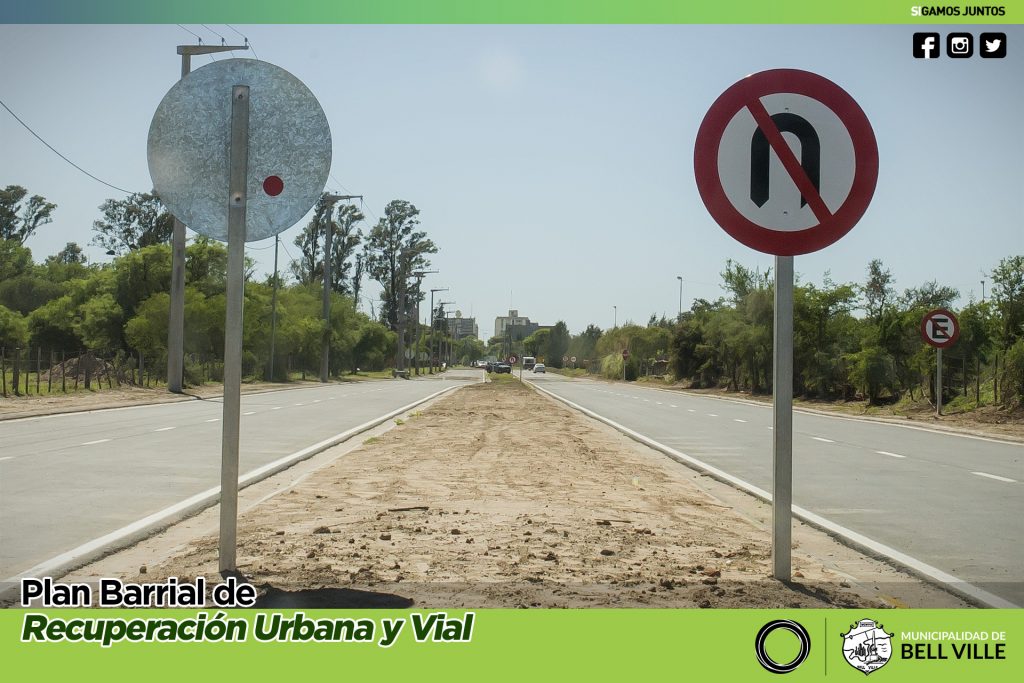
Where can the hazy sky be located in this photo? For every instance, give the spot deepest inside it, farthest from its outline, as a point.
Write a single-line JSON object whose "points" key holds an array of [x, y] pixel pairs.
{"points": [[553, 165]]}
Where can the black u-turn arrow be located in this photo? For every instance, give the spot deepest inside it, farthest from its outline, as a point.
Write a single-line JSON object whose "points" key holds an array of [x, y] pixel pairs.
{"points": [[810, 155]]}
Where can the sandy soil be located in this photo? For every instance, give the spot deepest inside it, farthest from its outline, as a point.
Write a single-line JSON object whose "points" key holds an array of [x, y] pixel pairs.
{"points": [[495, 496]]}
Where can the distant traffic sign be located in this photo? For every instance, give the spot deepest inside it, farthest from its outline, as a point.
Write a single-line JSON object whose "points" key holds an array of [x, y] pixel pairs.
{"points": [[751, 180], [940, 328], [512, 360], [573, 359], [625, 353]]}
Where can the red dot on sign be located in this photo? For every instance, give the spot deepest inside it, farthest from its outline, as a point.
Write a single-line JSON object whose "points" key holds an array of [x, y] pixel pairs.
{"points": [[273, 185]]}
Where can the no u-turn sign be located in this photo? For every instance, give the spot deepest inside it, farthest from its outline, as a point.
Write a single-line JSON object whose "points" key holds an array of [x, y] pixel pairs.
{"points": [[786, 161]]}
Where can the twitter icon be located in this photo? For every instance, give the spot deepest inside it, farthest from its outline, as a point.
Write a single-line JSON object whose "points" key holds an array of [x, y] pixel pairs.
{"points": [[993, 45]]}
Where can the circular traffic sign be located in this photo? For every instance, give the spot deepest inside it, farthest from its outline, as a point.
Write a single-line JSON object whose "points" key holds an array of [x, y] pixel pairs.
{"points": [[940, 328], [573, 359], [625, 353], [289, 148], [512, 360], [751, 179]]}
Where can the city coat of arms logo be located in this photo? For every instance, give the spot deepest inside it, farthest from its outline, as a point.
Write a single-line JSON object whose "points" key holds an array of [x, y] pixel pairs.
{"points": [[866, 646]]}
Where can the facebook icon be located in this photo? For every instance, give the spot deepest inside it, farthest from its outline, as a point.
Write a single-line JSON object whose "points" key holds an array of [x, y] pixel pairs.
{"points": [[926, 45]]}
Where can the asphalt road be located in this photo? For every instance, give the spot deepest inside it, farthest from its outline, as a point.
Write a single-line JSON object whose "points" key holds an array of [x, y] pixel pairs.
{"points": [[68, 479], [951, 501]]}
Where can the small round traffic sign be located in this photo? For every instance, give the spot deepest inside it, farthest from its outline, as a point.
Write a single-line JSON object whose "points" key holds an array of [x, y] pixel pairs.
{"points": [[573, 359], [625, 353], [751, 178], [512, 360], [940, 328]]}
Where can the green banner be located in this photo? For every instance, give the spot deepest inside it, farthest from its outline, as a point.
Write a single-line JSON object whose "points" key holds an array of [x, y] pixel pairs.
{"points": [[513, 12], [600, 644]]}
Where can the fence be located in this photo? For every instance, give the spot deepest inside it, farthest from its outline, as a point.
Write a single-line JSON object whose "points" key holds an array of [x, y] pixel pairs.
{"points": [[35, 370]]}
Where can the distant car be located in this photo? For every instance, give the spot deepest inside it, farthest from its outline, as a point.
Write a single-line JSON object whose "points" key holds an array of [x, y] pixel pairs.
{"points": [[502, 367], [489, 366], [539, 367]]}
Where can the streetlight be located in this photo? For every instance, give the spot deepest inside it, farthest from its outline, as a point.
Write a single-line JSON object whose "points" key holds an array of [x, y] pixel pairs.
{"points": [[419, 274], [616, 311], [441, 305], [982, 291], [439, 289], [680, 278]]}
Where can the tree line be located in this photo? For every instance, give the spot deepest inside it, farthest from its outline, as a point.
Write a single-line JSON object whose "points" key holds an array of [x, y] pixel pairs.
{"points": [[851, 340], [121, 308]]}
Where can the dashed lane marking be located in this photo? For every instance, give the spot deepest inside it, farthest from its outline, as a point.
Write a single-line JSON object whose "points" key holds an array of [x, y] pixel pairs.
{"points": [[891, 455], [92, 443], [163, 429], [996, 477], [818, 438]]}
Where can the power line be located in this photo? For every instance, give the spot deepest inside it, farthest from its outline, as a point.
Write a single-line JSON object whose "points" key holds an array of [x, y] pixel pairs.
{"points": [[245, 39], [198, 37], [16, 118]]}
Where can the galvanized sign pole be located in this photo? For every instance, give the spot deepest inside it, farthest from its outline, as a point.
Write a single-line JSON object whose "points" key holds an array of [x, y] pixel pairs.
{"points": [[938, 382], [782, 432], [239, 165]]}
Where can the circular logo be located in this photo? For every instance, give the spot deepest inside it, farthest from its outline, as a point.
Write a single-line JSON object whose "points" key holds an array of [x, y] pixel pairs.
{"points": [[793, 627]]}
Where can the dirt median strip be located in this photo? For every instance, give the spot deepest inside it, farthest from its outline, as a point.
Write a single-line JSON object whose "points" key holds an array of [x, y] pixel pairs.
{"points": [[496, 496]]}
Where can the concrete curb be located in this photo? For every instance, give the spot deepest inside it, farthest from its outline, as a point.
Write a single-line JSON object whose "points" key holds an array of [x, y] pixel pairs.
{"points": [[158, 521], [183, 398], [969, 592]]}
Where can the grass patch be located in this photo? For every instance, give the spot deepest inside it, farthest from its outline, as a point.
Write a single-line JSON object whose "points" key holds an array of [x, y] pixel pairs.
{"points": [[399, 421], [371, 440]]}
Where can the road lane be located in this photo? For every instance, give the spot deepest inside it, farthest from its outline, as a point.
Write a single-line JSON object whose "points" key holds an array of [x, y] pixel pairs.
{"points": [[67, 479], [915, 490]]}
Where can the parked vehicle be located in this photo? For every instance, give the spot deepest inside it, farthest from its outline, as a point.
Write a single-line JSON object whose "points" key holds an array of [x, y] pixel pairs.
{"points": [[502, 367]]}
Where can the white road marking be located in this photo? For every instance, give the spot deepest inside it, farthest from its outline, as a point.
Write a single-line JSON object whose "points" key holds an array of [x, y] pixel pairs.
{"points": [[736, 419], [251, 412], [213, 419], [163, 429], [690, 410], [330, 398], [300, 404], [276, 408], [891, 455], [672, 405], [996, 477], [818, 438], [9, 457], [90, 443], [316, 400], [712, 415]]}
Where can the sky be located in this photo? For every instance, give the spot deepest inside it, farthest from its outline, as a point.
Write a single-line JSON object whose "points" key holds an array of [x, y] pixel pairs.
{"points": [[552, 165]]}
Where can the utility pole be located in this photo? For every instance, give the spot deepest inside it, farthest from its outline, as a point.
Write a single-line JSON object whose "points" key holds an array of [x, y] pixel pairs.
{"points": [[325, 346], [439, 289], [616, 313], [176, 315]]}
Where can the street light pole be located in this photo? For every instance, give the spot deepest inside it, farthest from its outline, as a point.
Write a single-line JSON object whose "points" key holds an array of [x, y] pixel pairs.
{"points": [[680, 278], [419, 274], [444, 341], [616, 310], [439, 289], [325, 346], [176, 314]]}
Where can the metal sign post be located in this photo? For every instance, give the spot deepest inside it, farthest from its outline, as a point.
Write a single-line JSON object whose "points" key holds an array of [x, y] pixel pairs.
{"points": [[239, 165], [782, 408], [278, 146], [803, 205], [939, 329]]}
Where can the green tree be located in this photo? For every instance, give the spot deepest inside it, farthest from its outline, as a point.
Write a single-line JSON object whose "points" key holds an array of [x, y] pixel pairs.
{"points": [[1008, 295], [19, 219], [394, 250], [133, 223], [558, 344], [13, 329]]}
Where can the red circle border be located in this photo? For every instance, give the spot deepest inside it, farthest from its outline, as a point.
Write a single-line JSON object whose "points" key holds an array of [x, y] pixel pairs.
{"points": [[705, 161], [956, 328]]}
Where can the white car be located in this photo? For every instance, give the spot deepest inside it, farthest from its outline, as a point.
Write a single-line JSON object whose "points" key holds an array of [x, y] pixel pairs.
{"points": [[539, 367]]}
